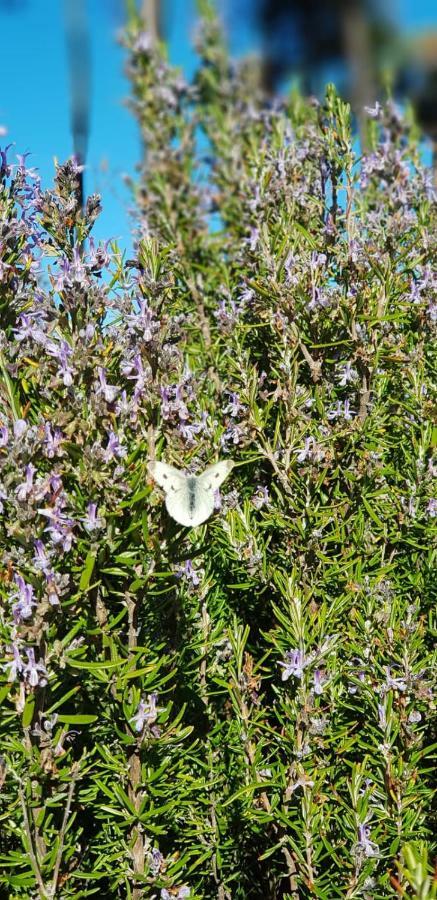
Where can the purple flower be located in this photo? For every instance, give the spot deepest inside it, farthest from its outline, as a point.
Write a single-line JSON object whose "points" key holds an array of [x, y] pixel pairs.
{"points": [[147, 712], [62, 352], [98, 257], [72, 273], [52, 588], [16, 665], [4, 436], [22, 609], [114, 448], [139, 376], [92, 522], [3, 496], [305, 451], [143, 322], [24, 490], [182, 893], [156, 860], [20, 426], [346, 374], [172, 403], [342, 410], [232, 435], [382, 715], [188, 572], [253, 238], [367, 847], [108, 391], [261, 497], [311, 450], [374, 111], [319, 681], [227, 316], [52, 441], [41, 560], [28, 330], [431, 508], [394, 684], [60, 526], [235, 408], [35, 673], [143, 42], [189, 431], [353, 688], [294, 664]]}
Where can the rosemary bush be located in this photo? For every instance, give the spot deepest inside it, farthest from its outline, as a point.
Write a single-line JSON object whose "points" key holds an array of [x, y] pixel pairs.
{"points": [[243, 709]]}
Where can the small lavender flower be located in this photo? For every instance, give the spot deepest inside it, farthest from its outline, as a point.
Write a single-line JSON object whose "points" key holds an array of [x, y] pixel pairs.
{"points": [[374, 111], [52, 591], [227, 315], [394, 684], [147, 713], [108, 391], [341, 410], [319, 680], [414, 717], [346, 375], [52, 441], [62, 352], [41, 559], [189, 573], [235, 408], [35, 673], [253, 238], [60, 527], [143, 322], [114, 449], [22, 608], [431, 508], [233, 434], [155, 859], [182, 893], [382, 716], [92, 522], [24, 490], [16, 665], [4, 436], [29, 330], [261, 497], [364, 846], [294, 664], [20, 427], [305, 451]]}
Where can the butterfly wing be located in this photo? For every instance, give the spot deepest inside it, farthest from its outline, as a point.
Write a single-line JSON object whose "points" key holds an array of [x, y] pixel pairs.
{"points": [[214, 475], [169, 478]]}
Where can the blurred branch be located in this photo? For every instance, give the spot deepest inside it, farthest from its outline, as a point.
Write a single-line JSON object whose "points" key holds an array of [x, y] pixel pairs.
{"points": [[151, 16], [79, 59]]}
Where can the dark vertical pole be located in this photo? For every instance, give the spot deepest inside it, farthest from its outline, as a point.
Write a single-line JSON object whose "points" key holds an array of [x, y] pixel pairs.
{"points": [[79, 59], [151, 16]]}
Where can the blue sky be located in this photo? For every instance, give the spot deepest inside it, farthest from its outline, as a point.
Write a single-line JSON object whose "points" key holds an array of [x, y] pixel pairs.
{"points": [[34, 93]]}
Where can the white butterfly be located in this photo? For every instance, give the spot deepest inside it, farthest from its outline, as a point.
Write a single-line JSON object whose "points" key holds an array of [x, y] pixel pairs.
{"points": [[190, 498]]}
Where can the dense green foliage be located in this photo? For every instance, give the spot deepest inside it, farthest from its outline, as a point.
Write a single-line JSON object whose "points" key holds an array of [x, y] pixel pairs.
{"points": [[243, 709]]}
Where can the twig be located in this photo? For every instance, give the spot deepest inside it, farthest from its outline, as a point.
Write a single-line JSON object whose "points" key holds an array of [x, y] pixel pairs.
{"points": [[314, 364], [135, 762], [32, 856], [63, 830]]}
